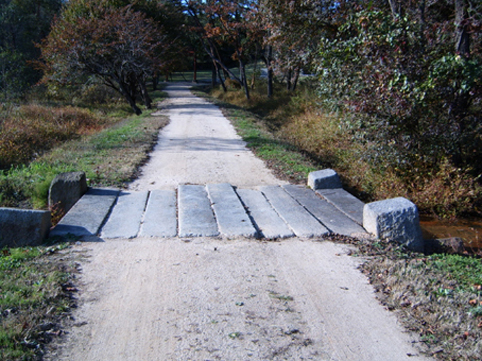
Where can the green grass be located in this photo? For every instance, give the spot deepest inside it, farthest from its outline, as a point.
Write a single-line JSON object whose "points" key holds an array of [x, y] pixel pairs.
{"points": [[35, 291]]}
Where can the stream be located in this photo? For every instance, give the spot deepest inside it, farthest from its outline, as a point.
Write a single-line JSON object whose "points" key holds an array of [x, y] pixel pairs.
{"points": [[470, 230]]}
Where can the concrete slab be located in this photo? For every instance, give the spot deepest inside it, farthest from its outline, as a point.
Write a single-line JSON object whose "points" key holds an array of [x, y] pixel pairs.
{"points": [[126, 216], [196, 218], [230, 213], [298, 218], [87, 216], [345, 202], [265, 218], [326, 213], [23, 227], [160, 218]]}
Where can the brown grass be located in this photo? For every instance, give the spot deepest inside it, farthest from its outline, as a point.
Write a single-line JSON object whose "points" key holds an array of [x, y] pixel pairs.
{"points": [[28, 130]]}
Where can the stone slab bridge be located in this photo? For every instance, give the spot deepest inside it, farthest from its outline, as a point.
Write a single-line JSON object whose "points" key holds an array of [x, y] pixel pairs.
{"points": [[212, 210]]}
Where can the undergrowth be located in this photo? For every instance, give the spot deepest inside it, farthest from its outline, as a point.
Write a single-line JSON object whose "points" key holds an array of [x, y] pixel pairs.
{"points": [[437, 297], [329, 139], [107, 148]]}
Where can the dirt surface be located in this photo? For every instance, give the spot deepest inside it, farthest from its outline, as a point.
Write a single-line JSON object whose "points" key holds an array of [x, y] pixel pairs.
{"points": [[214, 299], [209, 299], [199, 146]]}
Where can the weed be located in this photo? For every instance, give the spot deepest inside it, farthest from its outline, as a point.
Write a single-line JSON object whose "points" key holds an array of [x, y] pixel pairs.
{"points": [[280, 297]]}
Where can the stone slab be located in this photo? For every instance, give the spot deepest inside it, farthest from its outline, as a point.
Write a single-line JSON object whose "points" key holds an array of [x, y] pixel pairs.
{"points": [[326, 213], [196, 218], [347, 203], [23, 227], [160, 218], [324, 179], [394, 219], [229, 211], [126, 216], [296, 216], [87, 216], [66, 189], [265, 218]]}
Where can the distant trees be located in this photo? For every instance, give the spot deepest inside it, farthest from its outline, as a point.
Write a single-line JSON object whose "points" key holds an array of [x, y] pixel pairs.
{"points": [[225, 24], [22, 24], [118, 45]]}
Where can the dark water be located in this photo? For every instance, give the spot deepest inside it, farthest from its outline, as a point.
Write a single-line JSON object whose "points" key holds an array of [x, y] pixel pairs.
{"points": [[469, 230]]}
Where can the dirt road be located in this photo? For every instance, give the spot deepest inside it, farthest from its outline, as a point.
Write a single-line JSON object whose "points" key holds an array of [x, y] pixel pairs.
{"points": [[214, 299], [199, 146]]}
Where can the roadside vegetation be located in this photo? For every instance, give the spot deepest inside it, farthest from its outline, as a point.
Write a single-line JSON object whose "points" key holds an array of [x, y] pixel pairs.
{"points": [[437, 297], [107, 142], [36, 296]]}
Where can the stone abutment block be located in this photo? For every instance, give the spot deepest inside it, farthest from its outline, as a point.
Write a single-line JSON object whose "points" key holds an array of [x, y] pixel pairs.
{"points": [[324, 179], [23, 227], [394, 219]]}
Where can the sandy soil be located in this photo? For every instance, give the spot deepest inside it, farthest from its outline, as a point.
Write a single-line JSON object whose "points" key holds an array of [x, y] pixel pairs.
{"points": [[199, 146], [213, 299], [209, 299]]}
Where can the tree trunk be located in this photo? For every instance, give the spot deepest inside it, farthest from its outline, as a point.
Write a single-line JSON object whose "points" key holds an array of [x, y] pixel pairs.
{"points": [[462, 37], [214, 76], [288, 79], [243, 77], [145, 94], [194, 80], [269, 65], [124, 90], [296, 78], [221, 79], [155, 81], [395, 6]]}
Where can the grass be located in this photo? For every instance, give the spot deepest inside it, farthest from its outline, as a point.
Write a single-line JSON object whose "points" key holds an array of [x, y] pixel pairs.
{"points": [[109, 157], [36, 292]]}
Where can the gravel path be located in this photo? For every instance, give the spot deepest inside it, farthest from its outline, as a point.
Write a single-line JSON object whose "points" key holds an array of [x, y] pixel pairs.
{"points": [[213, 299], [199, 146]]}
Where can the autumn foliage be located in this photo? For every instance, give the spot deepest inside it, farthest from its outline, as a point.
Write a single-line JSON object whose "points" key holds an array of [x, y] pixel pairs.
{"points": [[120, 46]]}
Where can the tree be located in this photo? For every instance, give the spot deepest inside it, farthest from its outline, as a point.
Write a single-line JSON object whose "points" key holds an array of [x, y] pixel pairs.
{"points": [[120, 46], [411, 73], [224, 23], [22, 24]]}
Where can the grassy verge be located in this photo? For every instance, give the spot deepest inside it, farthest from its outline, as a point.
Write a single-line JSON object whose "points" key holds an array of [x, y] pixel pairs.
{"points": [[36, 293], [438, 296], [110, 157], [284, 159], [328, 139]]}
